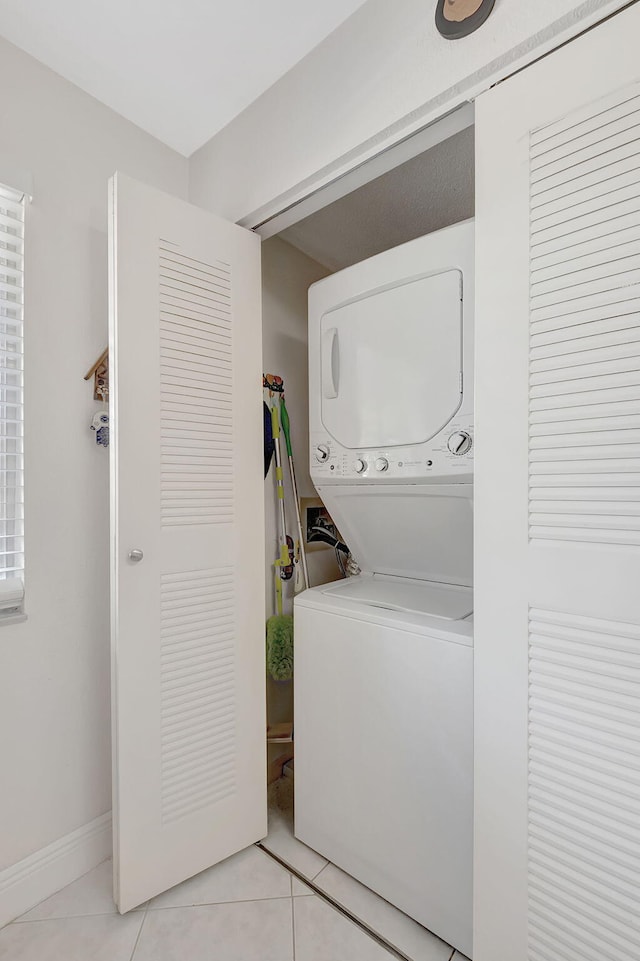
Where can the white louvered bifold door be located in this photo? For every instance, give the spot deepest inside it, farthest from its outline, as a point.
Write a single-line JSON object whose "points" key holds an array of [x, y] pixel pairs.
{"points": [[557, 831], [187, 491]]}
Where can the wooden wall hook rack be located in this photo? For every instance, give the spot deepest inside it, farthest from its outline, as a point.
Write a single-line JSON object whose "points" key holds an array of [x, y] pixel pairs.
{"points": [[100, 373]]}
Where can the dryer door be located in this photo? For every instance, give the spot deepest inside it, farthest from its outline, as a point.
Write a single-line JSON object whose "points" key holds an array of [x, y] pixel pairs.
{"points": [[392, 363]]}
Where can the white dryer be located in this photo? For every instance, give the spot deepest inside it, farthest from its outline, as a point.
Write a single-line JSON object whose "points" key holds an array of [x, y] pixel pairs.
{"points": [[384, 661]]}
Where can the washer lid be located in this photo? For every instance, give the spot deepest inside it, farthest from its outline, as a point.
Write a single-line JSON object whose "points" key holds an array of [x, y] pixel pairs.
{"points": [[421, 531], [449, 602], [391, 363]]}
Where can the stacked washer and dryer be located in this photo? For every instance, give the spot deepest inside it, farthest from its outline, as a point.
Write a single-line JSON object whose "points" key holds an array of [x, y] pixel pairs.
{"points": [[384, 660]]}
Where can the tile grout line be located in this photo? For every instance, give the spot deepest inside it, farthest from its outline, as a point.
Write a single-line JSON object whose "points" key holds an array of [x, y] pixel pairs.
{"points": [[323, 868], [293, 924], [168, 907], [75, 917], [391, 948], [293, 920], [142, 923], [219, 904]]}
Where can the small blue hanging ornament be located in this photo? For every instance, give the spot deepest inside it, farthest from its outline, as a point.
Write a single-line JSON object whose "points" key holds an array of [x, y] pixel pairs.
{"points": [[100, 424]]}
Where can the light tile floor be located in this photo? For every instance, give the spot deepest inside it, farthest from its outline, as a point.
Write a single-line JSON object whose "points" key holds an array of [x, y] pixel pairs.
{"points": [[246, 909], [240, 910]]}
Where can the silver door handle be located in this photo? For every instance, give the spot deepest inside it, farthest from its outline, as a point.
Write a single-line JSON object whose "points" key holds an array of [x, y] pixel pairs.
{"points": [[135, 555]]}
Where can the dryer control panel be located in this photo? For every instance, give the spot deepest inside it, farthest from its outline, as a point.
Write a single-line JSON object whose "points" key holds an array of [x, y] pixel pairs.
{"points": [[447, 458]]}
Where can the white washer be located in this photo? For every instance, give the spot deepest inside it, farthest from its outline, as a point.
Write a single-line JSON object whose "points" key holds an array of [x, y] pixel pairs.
{"points": [[384, 742], [384, 661]]}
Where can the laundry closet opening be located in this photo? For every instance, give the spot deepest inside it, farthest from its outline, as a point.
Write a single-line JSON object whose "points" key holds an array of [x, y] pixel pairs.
{"points": [[421, 196]]}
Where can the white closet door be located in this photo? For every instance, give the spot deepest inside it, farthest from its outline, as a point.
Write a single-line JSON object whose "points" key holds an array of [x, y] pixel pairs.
{"points": [[557, 834], [189, 770]]}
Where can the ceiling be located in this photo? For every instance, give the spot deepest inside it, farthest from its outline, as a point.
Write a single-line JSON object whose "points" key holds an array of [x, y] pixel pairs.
{"points": [[431, 191], [179, 69]]}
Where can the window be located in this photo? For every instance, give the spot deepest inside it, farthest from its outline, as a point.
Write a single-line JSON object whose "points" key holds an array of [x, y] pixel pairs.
{"points": [[11, 401]]}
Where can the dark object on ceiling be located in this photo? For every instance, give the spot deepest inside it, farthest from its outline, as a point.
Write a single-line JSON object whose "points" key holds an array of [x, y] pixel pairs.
{"points": [[458, 18]]}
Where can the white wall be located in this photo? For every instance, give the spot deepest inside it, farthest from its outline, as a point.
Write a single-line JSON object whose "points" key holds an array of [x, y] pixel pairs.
{"points": [[54, 668], [287, 275], [385, 71]]}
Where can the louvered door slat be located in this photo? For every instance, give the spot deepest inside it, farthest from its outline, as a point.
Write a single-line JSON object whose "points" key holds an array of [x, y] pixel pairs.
{"points": [[604, 366], [605, 650]]}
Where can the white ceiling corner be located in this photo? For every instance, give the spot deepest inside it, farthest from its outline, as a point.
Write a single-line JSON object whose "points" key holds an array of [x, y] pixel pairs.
{"points": [[179, 70]]}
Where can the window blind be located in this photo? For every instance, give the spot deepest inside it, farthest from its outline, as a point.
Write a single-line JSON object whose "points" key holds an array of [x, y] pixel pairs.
{"points": [[11, 399]]}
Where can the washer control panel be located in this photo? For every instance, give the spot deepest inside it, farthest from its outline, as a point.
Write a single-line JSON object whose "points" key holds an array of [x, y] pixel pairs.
{"points": [[448, 456]]}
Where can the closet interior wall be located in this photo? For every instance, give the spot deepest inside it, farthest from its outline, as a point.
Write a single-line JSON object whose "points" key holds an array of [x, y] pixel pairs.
{"points": [[287, 274]]}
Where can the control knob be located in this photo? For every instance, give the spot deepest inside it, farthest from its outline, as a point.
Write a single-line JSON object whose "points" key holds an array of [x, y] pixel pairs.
{"points": [[459, 443], [382, 464], [360, 465], [322, 453]]}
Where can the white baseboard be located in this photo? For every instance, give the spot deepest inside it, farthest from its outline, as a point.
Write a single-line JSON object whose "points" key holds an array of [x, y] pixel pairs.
{"points": [[27, 883]]}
